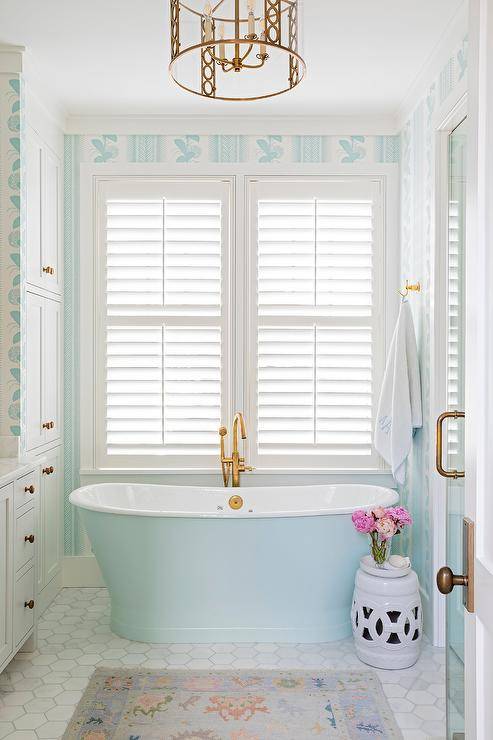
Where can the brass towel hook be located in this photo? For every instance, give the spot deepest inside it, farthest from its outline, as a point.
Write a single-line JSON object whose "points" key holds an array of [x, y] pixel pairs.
{"points": [[410, 286]]}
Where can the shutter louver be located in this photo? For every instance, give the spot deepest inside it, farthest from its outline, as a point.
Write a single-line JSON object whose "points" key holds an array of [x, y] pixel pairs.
{"points": [[315, 255], [315, 344], [454, 330], [315, 389], [164, 326]]}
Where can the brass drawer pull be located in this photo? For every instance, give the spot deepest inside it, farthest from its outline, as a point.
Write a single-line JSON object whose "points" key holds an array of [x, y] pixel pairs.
{"points": [[29, 489], [29, 604], [439, 444], [49, 270], [29, 538], [49, 471], [48, 425]]}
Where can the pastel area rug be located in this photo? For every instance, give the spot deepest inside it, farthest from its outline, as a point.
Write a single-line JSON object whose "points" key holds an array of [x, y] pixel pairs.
{"points": [[125, 704]]}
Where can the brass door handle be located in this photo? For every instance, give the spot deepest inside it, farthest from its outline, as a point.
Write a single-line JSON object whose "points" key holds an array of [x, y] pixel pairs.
{"points": [[29, 604], [446, 580], [29, 538], [439, 444]]}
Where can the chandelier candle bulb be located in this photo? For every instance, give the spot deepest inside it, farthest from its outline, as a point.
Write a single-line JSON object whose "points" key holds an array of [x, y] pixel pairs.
{"points": [[251, 23], [208, 22], [222, 46], [251, 17], [263, 48]]}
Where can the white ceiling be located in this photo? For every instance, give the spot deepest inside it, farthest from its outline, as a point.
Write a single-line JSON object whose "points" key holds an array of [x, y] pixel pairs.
{"points": [[110, 56]]}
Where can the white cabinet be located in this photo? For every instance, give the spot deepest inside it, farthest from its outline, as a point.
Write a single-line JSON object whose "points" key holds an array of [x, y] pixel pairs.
{"points": [[43, 224], [19, 528], [43, 370], [51, 516], [6, 570]]}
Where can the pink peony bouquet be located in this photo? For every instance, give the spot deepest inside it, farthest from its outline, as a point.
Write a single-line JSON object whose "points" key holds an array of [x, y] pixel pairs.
{"points": [[381, 525]]}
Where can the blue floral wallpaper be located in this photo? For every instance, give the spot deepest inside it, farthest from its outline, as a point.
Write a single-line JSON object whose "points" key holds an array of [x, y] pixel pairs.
{"points": [[11, 236]]}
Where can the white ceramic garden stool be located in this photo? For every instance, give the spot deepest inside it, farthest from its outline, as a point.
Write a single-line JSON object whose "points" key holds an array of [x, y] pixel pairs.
{"points": [[387, 619]]}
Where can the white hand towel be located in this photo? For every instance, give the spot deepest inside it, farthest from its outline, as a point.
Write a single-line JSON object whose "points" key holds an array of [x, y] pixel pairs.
{"points": [[399, 409]]}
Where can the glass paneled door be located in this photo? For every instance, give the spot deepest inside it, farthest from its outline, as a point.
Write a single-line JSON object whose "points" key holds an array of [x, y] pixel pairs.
{"points": [[453, 435]]}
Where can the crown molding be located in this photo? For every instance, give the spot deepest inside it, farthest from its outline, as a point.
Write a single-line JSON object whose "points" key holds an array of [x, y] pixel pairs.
{"points": [[449, 41], [11, 59], [281, 125]]}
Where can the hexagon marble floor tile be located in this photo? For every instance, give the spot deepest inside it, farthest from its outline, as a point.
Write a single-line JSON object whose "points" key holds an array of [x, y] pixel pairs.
{"points": [[39, 690]]}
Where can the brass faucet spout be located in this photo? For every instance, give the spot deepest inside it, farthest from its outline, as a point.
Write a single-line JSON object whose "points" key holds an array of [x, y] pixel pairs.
{"points": [[238, 418], [235, 464]]}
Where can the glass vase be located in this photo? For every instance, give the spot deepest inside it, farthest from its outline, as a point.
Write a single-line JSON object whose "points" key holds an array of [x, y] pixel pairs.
{"points": [[380, 549]]}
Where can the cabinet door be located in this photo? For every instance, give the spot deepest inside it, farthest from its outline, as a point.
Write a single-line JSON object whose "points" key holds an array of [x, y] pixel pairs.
{"points": [[51, 514], [51, 369], [43, 226], [34, 155], [43, 370], [6, 570], [50, 222], [34, 390]]}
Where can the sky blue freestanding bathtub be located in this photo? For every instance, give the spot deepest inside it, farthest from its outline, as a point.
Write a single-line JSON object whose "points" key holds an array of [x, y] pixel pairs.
{"points": [[182, 566]]}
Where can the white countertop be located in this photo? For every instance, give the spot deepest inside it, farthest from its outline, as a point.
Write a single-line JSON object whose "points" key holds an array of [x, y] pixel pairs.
{"points": [[11, 468]]}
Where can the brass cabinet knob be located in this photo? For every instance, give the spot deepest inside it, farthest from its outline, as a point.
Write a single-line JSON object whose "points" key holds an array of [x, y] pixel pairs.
{"points": [[235, 502], [48, 425], [29, 489], [49, 270], [48, 471], [29, 538], [446, 580], [29, 604]]}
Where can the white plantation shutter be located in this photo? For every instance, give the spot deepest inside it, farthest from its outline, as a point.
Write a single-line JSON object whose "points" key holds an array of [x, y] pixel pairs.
{"points": [[165, 322], [455, 330], [319, 329]]}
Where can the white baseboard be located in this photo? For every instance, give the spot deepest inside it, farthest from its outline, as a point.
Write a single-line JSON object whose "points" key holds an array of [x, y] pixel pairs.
{"points": [[81, 571]]}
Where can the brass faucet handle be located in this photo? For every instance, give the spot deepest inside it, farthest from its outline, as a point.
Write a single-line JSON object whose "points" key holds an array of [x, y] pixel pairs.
{"points": [[245, 468]]}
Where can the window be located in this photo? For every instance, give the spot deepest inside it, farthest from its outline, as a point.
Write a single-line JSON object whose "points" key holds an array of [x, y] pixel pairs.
{"points": [[177, 349], [165, 325], [317, 322]]}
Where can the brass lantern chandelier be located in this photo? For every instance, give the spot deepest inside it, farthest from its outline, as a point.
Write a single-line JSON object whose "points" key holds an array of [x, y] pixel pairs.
{"points": [[236, 49]]}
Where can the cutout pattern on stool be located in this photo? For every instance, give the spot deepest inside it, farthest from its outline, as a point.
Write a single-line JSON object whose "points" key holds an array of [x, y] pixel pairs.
{"points": [[395, 627]]}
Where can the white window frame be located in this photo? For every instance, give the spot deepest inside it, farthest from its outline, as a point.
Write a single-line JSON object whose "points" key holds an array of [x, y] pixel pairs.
{"points": [[237, 372]]}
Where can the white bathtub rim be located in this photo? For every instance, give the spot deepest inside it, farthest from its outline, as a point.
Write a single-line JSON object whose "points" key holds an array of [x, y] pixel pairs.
{"points": [[86, 498]]}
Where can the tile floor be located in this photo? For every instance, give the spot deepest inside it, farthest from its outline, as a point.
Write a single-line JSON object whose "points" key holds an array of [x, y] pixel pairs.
{"points": [[38, 691]]}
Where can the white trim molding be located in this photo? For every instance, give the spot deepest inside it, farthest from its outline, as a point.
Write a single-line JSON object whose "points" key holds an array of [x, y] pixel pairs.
{"points": [[205, 125]]}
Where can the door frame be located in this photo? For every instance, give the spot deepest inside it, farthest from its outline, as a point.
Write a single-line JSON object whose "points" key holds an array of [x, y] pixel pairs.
{"points": [[479, 378], [438, 349]]}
